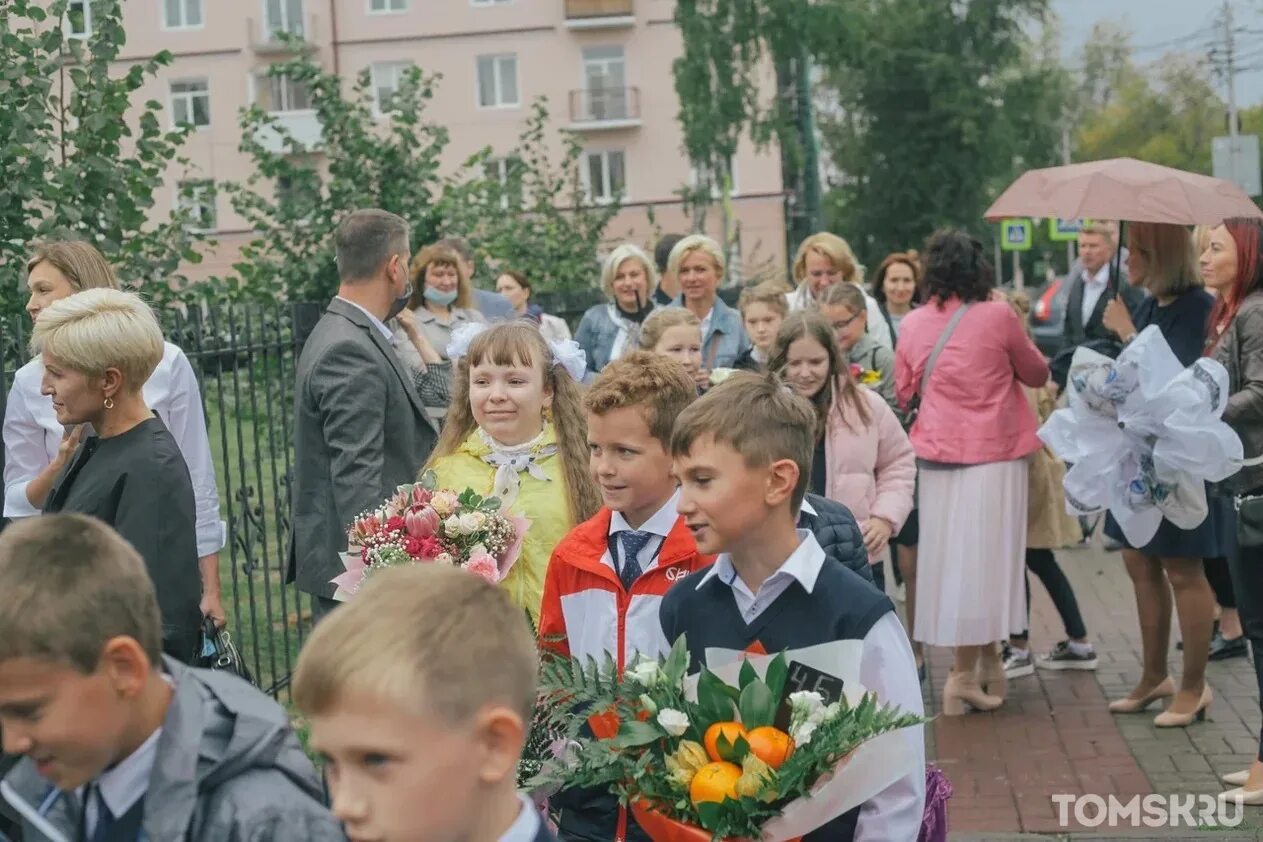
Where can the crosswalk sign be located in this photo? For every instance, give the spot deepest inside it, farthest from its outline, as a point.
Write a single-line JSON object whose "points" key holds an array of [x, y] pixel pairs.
{"points": [[1015, 235], [1065, 230]]}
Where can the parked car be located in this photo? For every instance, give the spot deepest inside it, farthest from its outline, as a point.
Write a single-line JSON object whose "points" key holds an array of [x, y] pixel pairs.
{"points": [[1048, 315]]}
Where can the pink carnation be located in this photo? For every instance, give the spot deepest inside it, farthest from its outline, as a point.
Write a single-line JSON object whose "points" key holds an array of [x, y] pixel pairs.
{"points": [[395, 524], [485, 566]]}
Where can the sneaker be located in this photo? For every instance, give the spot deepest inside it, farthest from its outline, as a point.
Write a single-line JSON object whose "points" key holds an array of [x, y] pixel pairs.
{"points": [[1016, 663], [1064, 657]]}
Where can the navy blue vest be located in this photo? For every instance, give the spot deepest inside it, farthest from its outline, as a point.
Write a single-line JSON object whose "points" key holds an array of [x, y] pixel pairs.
{"points": [[842, 606]]}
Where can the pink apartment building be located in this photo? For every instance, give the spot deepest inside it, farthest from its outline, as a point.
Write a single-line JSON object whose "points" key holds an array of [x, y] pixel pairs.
{"points": [[604, 65]]}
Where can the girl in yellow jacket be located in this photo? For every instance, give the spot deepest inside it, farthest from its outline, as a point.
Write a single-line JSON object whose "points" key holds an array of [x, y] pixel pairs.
{"points": [[516, 430]]}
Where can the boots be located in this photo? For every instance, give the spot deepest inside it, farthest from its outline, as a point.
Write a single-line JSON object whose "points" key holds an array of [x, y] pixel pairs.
{"points": [[990, 672], [963, 687]]}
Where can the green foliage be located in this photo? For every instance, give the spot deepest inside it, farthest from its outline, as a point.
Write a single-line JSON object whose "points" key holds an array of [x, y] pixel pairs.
{"points": [[79, 157], [533, 221], [939, 106], [569, 687]]}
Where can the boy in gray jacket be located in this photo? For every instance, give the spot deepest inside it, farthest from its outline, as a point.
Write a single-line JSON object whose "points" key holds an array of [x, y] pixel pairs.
{"points": [[121, 744]]}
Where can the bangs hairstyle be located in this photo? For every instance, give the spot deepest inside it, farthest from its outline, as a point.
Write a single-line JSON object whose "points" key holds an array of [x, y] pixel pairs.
{"points": [[617, 258], [99, 329], [660, 321], [809, 324], [81, 263], [904, 258], [692, 243], [70, 585], [438, 255], [833, 248], [1247, 235], [757, 416], [658, 385], [519, 342], [956, 266], [429, 638], [1170, 265], [770, 293]]}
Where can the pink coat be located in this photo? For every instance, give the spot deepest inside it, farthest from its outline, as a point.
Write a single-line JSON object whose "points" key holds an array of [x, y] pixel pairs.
{"points": [[871, 470], [974, 410]]}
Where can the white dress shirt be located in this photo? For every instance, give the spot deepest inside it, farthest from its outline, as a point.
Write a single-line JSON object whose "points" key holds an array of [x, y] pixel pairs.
{"points": [[887, 668], [32, 436], [1093, 288], [123, 785], [659, 525], [376, 322], [526, 826]]}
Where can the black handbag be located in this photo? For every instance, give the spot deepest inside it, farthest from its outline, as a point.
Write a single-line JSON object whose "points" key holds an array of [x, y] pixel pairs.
{"points": [[218, 652], [1249, 520]]}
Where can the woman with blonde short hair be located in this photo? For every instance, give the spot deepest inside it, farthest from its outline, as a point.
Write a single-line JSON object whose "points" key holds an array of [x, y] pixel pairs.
{"points": [[609, 330], [823, 260], [697, 262], [37, 445], [98, 348]]}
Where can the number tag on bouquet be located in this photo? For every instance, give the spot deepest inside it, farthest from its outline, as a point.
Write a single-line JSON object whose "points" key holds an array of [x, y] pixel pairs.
{"points": [[805, 678]]}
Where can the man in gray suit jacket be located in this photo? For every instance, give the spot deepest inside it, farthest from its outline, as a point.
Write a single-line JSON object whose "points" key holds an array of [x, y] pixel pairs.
{"points": [[360, 429]]}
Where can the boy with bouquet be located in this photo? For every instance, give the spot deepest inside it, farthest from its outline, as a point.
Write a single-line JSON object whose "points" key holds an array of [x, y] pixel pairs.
{"points": [[608, 576], [743, 457]]}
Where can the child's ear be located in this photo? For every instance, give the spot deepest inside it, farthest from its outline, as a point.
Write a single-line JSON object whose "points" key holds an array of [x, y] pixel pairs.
{"points": [[782, 480], [501, 735], [125, 663]]}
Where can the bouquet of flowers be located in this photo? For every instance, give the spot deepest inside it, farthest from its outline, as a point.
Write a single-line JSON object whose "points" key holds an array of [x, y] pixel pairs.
{"points": [[865, 376], [424, 524], [707, 759]]}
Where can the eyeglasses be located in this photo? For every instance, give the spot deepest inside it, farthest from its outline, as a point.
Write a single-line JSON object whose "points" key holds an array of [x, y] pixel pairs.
{"points": [[845, 323]]}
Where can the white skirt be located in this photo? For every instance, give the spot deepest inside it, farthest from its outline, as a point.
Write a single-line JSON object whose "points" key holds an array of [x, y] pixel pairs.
{"points": [[971, 563]]}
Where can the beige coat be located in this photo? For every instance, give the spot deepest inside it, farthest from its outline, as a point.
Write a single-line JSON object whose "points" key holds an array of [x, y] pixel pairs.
{"points": [[1048, 526]]}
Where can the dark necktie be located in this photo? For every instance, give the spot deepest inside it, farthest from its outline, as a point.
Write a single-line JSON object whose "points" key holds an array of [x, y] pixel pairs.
{"points": [[104, 818], [633, 542]]}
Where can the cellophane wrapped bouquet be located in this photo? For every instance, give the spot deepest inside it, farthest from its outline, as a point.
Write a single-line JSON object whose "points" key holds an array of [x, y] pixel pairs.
{"points": [[707, 759]]}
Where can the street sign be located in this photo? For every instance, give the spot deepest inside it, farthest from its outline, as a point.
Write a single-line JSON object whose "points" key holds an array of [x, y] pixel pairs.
{"points": [[1015, 234], [1065, 230], [1236, 159]]}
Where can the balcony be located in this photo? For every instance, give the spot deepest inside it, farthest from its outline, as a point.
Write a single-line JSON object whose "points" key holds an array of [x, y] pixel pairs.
{"points": [[302, 126], [599, 14], [605, 109], [264, 37]]}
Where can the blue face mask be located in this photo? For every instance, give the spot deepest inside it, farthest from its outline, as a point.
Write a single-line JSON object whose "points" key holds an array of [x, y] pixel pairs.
{"points": [[399, 303], [443, 299]]}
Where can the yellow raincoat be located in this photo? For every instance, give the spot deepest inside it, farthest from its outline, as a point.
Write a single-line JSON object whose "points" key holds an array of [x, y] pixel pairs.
{"points": [[546, 504]]}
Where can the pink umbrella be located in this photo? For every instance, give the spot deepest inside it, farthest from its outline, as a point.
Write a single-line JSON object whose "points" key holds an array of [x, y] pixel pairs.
{"points": [[1123, 189]]}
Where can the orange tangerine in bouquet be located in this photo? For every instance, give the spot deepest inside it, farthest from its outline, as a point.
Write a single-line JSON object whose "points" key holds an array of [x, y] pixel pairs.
{"points": [[700, 759]]}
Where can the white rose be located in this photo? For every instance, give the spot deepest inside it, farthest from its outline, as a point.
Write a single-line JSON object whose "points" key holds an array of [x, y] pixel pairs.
{"points": [[674, 722], [452, 526], [805, 702], [646, 672], [478, 549], [444, 558], [472, 522], [802, 734]]}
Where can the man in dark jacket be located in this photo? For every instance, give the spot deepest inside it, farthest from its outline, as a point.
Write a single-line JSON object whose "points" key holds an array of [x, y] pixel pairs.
{"points": [[836, 531], [1093, 283]]}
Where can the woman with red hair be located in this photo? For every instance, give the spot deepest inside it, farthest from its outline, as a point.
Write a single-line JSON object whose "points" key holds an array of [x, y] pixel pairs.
{"points": [[1233, 267]]}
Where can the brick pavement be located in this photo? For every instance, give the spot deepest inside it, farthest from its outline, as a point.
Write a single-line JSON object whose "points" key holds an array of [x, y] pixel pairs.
{"points": [[1055, 735]]}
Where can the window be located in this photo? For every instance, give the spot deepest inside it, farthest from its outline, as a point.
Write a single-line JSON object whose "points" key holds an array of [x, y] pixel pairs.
{"points": [[298, 196], [197, 199], [605, 83], [605, 178], [182, 14], [285, 94], [707, 177], [490, 2], [282, 16], [190, 103], [79, 18], [388, 77], [382, 7], [497, 81], [508, 173]]}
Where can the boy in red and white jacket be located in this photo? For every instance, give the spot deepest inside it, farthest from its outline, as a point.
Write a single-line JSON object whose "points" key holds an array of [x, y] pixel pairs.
{"points": [[607, 577]]}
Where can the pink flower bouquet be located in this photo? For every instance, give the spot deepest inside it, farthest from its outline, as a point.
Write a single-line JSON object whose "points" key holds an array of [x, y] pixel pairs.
{"points": [[422, 524]]}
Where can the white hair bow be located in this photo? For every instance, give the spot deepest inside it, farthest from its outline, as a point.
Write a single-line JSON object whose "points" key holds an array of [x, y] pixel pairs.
{"points": [[566, 353]]}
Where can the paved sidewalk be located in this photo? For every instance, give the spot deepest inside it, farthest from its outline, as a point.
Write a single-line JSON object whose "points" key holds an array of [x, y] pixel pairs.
{"points": [[1055, 735]]}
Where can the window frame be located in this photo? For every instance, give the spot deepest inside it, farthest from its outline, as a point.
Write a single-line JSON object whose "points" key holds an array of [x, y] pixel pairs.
{"points": [[270, 32], [503, 174], [488, 4], [197, 200], [497, 80], [173, 95], [287, 82], [183, 26], [407, 5], [398, 68], [586, 176], [87, 21]]}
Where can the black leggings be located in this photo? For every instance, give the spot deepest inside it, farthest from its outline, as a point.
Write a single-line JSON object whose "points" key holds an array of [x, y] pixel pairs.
{"points": [[1246, 567], [1044, 565], [1220, 581]]}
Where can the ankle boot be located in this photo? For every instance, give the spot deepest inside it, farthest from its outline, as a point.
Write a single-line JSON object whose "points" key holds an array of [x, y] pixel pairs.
{"points": [[963, 687], [990, 672]]}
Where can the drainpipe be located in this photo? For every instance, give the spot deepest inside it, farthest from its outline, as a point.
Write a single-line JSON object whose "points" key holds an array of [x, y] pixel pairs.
{"points": [[333, 33]]}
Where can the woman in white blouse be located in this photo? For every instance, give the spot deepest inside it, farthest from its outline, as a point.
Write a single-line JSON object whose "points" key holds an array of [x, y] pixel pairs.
{"points": [[36, 446]]}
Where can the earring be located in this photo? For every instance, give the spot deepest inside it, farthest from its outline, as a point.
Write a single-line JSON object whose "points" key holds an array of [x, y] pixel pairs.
{"points": [[109, 403]]}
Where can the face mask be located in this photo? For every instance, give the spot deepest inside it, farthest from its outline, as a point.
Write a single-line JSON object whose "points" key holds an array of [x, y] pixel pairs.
{"points": [[396, 306], [443, 299]]}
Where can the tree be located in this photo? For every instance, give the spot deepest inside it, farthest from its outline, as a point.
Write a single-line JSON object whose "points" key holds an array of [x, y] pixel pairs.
{"points": [[521, 210], [940, 105], [78, 157]]}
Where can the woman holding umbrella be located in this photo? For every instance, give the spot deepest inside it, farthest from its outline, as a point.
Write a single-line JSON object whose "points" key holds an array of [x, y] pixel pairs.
{"points": [[1161, 261]]}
